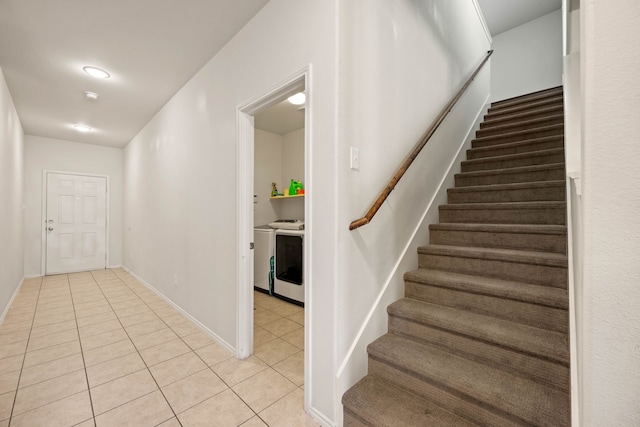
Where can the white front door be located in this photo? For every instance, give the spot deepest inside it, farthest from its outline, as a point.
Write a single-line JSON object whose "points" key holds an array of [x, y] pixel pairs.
{"points": [[75, 223]]}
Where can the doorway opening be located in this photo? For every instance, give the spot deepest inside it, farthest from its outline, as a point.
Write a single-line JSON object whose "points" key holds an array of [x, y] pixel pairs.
{"points": [[268, 155]]}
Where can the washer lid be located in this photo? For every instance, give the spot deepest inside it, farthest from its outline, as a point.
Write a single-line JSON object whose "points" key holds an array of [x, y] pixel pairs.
{"points": [[288, 224]]}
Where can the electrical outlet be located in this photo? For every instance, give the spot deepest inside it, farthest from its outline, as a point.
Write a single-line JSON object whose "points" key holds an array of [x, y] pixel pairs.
{"points": [[175, 280]]}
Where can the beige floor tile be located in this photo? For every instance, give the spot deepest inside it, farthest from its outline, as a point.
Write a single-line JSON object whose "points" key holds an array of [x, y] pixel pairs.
{"points": [[261, 318], [99, 328], [52, 339], [133, 302], [66, 303], [232, 371], [69, 411], [108, 316], [223, 409], [160, 353], [130, 311], [53, 328], [54, 352], [145, 327], [113, 369], [269, 302], [286, 309], [6, 403], [295, 338], [48, 370], [51, 312], [80, 313], [43, 393], [41, 320], [137, 318], [214, 354], [154, 338], [261, 336], [18, 317], [13, 349], [108, 352], [298, 318], [173, 422], [89, 423], [177, 368], [292, 368], [254, 422], [175, 319], [15, 326], [103, 339], [263, 389], [13, 337], [275, 351], [184, 329], [198, 340], [122, 390], [288, 412], [148, 410], [190, 391], [11, 364], [281, 327]]}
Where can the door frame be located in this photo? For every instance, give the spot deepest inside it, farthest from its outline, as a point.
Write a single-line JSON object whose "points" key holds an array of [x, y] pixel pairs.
{"points": [[245, 175], [43, 239]]}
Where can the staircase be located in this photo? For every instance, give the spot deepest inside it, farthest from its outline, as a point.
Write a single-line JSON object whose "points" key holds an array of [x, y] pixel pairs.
{"points": [[481, 337]]}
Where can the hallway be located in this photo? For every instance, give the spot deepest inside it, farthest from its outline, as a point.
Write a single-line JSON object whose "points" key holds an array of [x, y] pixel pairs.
{"points": [[100, 348]]}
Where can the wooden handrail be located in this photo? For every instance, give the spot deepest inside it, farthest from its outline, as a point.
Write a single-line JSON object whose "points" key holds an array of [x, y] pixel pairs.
{"points": [[416, 150]]}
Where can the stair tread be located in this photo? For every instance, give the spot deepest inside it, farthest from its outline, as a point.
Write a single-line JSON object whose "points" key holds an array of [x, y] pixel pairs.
{"points": [[503, 205], [517, 169], [381, 403], [526, 122], [559, 126], [515, 156], [499, 111], [534, 341], [498, 254], [518, 291], [523, 398], [510, 186], [502, 228], [532, 141], [489, 122], [529, 97]]}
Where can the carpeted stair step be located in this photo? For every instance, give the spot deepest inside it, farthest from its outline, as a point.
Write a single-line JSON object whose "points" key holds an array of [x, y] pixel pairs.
{"points": [[534, 113], [519, 135], [550, 172], [496, 113], [528, 237], [541, 157], [485, 339], [481, 295], [528, 98], [375, 402], [520, 192], [538, 268], [520, 126], [472, 390], [505, 213], [525, 146]]}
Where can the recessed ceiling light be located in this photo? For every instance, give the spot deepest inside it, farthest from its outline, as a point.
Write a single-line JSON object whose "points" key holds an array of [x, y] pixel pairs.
{"points": [[297, 99], [82, 128], [91, 95], [96, 72]]}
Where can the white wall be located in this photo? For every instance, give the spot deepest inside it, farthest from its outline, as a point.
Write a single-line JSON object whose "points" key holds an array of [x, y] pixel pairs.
{"points": [[12, 196], [527, 58], [59, 155], [292, 168], [611, 202], [268, 169], [180, 179], [401, 62]]}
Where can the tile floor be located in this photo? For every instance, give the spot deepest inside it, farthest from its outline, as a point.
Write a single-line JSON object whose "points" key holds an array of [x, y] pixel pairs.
{"points": [[100, 349]]}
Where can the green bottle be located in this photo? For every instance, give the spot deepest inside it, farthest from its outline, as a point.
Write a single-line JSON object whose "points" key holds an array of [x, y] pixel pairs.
{"points": [[292, 188]]}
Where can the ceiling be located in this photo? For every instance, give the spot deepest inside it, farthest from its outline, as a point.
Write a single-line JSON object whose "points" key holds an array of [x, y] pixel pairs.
{"points": [[150, 47], [502, 15]]}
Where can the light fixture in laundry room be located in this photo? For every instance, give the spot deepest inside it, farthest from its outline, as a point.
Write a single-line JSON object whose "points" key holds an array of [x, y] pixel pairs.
{"points": [[82, 128], [91, 96], [297, 99], [96, 72]]}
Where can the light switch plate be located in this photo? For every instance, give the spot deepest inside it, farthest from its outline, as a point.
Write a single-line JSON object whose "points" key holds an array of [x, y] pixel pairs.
{"points": [[354, 161]]}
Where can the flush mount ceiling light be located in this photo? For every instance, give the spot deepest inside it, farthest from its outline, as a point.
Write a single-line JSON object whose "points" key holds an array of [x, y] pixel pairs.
{"points": [[82, 128], [91, 95], [297, 99], [96, 72]]}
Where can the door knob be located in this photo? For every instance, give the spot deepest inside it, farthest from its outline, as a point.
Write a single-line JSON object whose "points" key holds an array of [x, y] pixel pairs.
{"points": [[50, 228]]}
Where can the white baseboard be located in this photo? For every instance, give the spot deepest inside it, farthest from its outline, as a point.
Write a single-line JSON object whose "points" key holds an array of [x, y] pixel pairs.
{"points": [[204, 329], [321, 418], [13, 297]]}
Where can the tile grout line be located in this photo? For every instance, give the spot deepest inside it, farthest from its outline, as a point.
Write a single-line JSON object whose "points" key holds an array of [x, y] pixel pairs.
{"points": [[24, 356]]}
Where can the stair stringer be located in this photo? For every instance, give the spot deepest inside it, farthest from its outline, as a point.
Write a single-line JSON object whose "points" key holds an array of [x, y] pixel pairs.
{"points": [[353, 367]]}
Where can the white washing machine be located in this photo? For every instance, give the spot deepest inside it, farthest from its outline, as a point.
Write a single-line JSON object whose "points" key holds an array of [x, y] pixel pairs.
{"points": [[288, 281], [263, 246]]}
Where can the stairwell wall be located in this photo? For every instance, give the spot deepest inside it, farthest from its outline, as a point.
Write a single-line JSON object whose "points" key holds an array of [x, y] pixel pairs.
{"points": [[12, 196], [400, 63]]}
